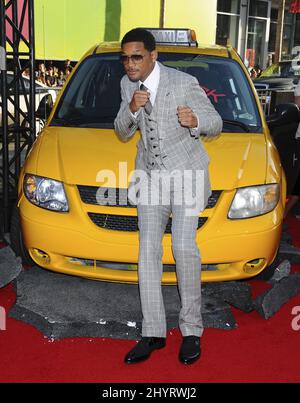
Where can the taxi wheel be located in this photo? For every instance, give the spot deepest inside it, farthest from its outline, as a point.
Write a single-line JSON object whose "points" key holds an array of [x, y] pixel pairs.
{"points": [[16, 238]]}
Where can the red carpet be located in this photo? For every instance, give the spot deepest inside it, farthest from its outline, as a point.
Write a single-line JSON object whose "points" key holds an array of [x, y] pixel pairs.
{"points": [[258, 350]]}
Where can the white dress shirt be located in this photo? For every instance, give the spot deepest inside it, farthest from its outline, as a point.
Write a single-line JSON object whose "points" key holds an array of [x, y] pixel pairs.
{"points": [[152, 82]]}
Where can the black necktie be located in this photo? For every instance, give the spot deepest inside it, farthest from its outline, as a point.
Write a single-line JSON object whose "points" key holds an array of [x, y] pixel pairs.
{"points": [[148, 105]]}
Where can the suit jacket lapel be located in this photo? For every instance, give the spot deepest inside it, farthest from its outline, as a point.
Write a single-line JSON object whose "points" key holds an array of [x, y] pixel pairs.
{"points": [[133, 86], [161, 105]]}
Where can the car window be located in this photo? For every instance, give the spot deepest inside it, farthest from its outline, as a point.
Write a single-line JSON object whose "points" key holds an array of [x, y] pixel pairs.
{"points": [[283, 70], [23, 88], [92, 97], [225, 84], [273, 70], [26, 87], [9, 79]]}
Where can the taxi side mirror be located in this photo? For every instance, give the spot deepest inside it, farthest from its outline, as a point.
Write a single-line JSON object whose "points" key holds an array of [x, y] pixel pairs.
{"points": [[284, 114], [44, 109]]}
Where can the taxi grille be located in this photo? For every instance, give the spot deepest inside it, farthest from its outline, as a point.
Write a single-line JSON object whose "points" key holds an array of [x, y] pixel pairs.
{"points": [[167, 268], [128, 223], [117, 197]]}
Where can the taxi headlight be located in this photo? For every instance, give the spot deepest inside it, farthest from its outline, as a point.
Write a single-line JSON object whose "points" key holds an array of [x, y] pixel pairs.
{"points": [[45, 192], [254, 201]]}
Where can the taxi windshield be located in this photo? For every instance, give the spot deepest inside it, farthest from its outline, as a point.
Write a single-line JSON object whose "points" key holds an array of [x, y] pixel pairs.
{"points": [[92, 97]]}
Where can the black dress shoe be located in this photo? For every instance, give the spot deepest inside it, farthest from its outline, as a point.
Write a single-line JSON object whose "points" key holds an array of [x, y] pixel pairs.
{"points": [[144, 348], [190, 349]]}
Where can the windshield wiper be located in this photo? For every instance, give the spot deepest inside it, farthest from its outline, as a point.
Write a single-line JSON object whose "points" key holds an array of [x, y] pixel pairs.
{"points": [[236, 123], [67, 122]]}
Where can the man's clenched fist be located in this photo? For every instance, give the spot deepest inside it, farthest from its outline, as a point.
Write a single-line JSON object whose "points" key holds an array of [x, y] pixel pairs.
{"points": [[139, 99], [186, 117]]}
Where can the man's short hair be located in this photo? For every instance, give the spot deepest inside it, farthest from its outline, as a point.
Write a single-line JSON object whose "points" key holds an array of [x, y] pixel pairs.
{"points": [[140, 35]]}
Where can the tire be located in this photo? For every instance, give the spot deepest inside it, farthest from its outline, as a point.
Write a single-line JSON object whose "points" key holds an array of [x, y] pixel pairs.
{"points": [[16, 238]]}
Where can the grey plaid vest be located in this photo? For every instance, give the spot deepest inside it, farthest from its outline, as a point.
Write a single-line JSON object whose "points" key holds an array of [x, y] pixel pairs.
{"points": [[154, 158]]}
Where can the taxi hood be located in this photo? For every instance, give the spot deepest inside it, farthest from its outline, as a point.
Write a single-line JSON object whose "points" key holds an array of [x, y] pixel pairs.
{"points": [[79, 155]]}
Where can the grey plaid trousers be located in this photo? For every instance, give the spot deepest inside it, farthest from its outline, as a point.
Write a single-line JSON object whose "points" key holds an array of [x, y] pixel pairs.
{"points": [[152, 221]]}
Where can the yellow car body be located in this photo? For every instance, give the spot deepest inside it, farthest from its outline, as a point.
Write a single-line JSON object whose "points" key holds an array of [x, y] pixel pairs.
{"points": [[72, 243]]}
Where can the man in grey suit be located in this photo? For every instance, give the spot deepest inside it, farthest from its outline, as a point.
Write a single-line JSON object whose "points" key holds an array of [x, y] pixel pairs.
{"points": [[172, 111]]}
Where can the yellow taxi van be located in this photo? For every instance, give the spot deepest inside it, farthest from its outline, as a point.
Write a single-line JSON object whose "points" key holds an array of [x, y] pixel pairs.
{"points": [[60, 223]]}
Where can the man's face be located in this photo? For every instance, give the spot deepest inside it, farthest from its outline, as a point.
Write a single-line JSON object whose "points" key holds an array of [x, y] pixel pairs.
{"points": [[138, 69]]}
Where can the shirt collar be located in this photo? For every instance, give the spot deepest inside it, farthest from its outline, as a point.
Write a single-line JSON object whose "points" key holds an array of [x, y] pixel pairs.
{"points": [[152, 80]]}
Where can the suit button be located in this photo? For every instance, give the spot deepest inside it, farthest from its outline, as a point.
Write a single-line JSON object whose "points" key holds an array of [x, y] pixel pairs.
{"points": [[156, 155], [151, 138]]}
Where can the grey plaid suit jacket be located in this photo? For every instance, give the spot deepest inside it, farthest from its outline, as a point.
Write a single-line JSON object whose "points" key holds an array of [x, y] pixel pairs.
{"points": [[181, 148], [175, 89]]}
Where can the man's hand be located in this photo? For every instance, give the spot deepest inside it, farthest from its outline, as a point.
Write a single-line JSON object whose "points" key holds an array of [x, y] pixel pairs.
{"points": [[186, 117], [139, 99]]}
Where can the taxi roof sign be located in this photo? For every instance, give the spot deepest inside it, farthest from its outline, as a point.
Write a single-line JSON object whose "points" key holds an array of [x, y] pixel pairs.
{"points": [[174, 36]]}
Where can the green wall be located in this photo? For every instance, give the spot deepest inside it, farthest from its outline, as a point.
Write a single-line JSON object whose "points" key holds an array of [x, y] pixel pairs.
{"points": [[67, 28]]}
